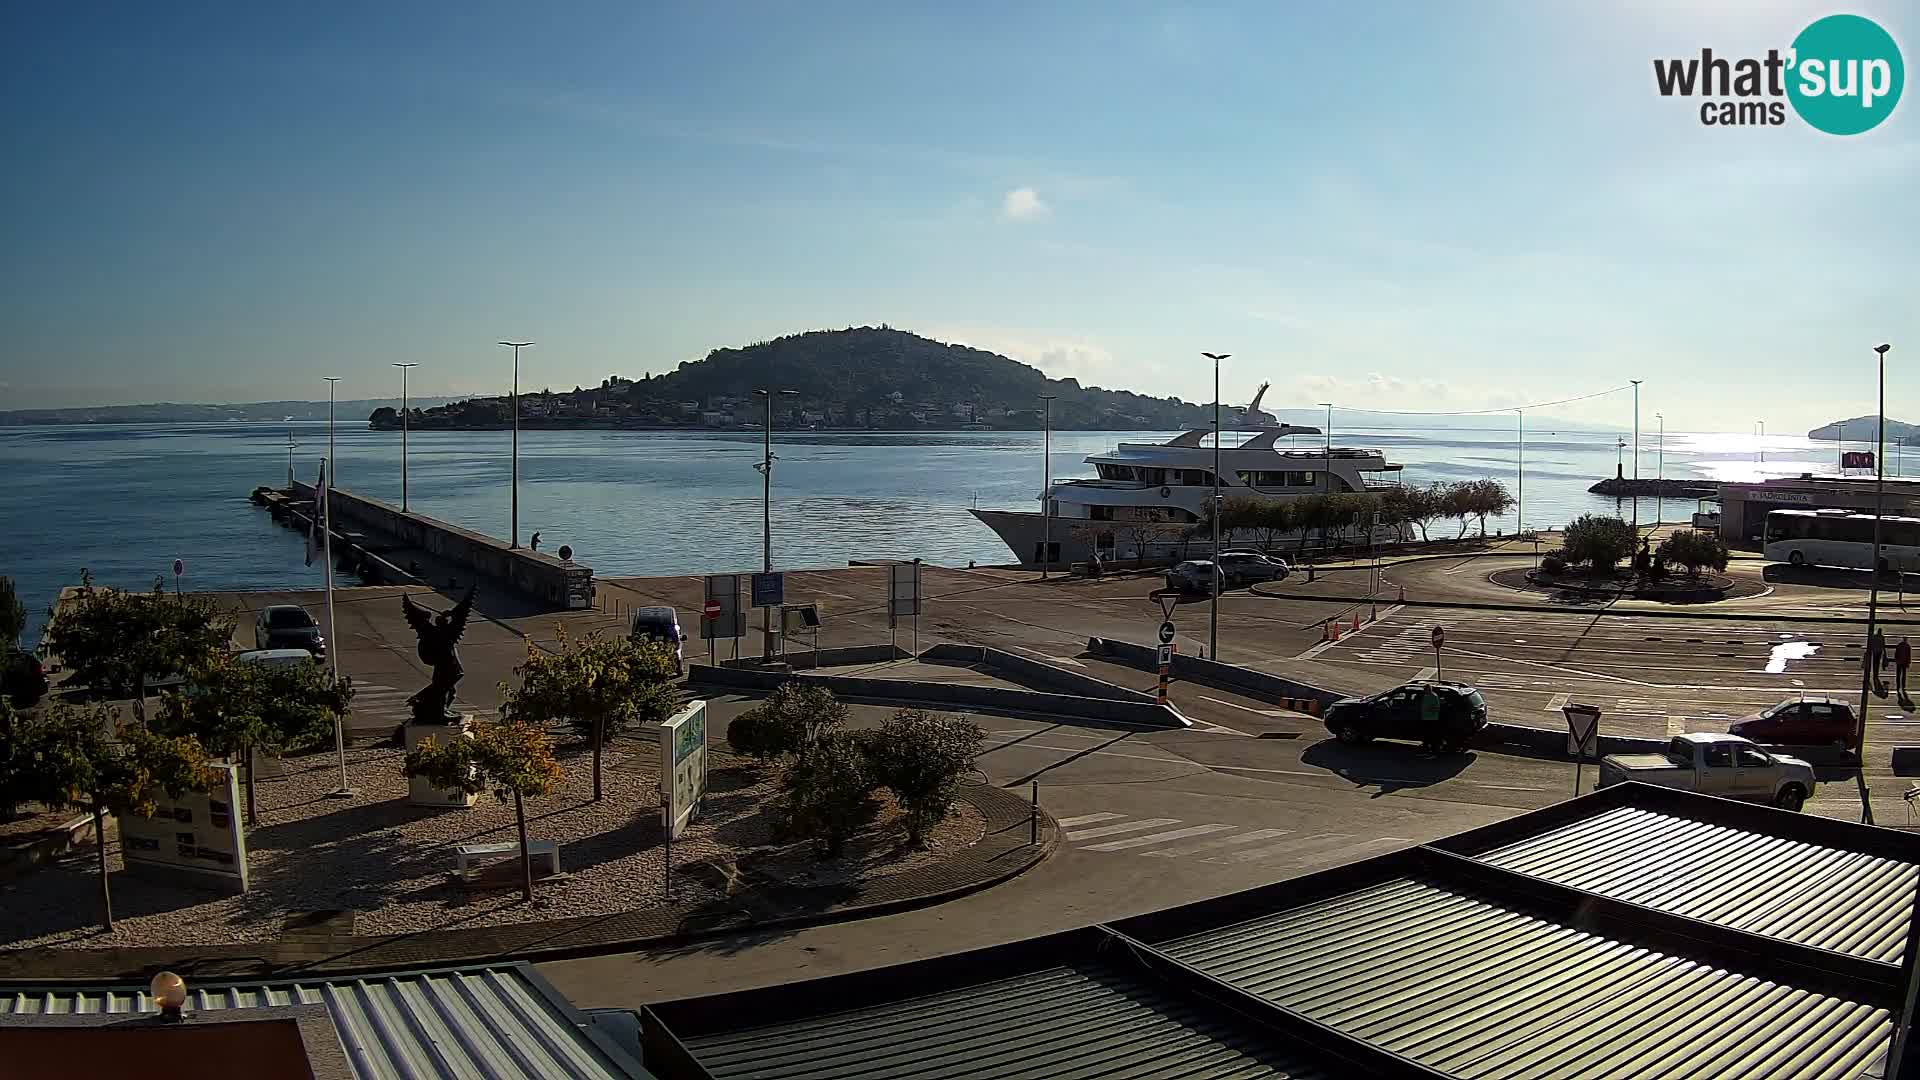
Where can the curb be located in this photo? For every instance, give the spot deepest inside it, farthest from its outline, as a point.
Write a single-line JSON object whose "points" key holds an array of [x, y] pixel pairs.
{"points": [[1004, 812], [1465, 605]]}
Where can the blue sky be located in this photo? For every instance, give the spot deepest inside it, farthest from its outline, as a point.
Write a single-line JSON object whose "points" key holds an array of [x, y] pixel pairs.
{"points": [[1392, 205]]}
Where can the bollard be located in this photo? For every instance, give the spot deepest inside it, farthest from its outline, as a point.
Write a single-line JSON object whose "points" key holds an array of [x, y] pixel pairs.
{"points": [[1033, 816]]}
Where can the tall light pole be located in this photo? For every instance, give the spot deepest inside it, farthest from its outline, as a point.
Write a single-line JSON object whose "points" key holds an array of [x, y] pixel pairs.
{"points": [[1520, 500], [516, 346], [403, 433], [290, 445], [333, 461], [1660, 474], [1046, 487], [1636, 456], [766, 517], [1213, 610], [1871, 662], [1326, 478]]}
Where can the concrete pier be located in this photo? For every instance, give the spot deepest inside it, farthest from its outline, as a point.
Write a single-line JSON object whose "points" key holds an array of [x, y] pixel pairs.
{"points": [[536, 575]]}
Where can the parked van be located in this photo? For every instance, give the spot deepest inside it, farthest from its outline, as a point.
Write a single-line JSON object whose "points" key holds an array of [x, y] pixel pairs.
{"points": [[660, 624]]}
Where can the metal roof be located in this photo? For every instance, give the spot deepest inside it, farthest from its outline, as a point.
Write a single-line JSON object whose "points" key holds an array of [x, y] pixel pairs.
{"points": [[1475, 989], [1088, 1019], [1847, 901], [1635, 932], [502, 1023]]}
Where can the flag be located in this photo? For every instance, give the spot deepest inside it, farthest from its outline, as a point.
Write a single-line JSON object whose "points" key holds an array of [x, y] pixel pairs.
{"points": [[314, 536]]}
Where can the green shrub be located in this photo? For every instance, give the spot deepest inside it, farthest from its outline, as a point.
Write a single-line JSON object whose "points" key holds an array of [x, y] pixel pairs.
{"points": [[1694, 550], [1600, 542], [793, 717], [829, 791], [920, 758], [1554, 564]]}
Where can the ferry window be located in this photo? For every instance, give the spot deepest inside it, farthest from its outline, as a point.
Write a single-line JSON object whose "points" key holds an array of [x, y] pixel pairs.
{"points": [[1900, 533], [1248, 478], [1194, 477], [1100, 513], [1301, 479]]}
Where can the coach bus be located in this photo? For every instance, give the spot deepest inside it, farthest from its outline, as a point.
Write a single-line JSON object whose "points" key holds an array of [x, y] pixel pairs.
{"points": [[1841, 538]]}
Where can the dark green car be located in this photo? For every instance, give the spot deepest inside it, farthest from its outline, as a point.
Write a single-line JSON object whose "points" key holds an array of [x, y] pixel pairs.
{"points": [[1437, 715]]}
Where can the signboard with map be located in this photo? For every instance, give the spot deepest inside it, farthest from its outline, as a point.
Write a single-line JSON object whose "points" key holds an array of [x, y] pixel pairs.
{"points": [[195, 838], [683, 767]]}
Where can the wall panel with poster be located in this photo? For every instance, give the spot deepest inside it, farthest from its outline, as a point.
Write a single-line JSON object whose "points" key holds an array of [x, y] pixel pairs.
{"points": [[196, 839]]}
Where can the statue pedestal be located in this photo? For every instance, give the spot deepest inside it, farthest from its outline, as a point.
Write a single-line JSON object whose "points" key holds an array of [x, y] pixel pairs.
{"points": [[419, 791]]}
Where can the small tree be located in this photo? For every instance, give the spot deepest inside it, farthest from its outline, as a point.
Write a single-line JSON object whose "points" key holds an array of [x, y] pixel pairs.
{"points": [[920, 758], [1482, 497], [794, 716], [1694, 550], [504, 756], [1600, 542], [598, 684], [1143, 531], [830, 790], [1413, 505], [1310, 513], [14, 780], [13, 614], [237, 710], [119, 641], [69, 759]]}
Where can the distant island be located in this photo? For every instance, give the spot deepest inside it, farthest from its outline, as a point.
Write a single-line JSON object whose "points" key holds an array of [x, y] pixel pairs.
{"points": [[167, 412], [1867, 429], [860, 378]]}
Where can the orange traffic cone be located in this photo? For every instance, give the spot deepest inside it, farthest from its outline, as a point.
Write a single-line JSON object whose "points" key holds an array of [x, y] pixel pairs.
{"points": [[1356, 619], [1334, 625]]}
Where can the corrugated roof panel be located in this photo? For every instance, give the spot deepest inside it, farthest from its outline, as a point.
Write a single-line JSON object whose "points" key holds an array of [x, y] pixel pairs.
{"points": [[1820, 896], [1478, 990], [1082, 1021], [488, 1022]]}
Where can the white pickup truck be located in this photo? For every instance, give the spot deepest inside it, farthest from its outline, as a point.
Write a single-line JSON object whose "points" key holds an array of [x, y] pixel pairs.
{"points": [[1724, 765]]}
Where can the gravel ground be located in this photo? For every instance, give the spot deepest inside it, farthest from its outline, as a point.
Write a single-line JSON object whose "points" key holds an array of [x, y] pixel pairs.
{"points": [[389, 862]]}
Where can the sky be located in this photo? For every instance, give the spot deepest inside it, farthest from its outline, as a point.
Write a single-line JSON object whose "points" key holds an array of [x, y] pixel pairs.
{"points": [[1391, 206]]}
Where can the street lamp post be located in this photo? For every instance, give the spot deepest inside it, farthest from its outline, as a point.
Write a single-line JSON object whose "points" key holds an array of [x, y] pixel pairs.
{"points": [[1660, 474], [333, 460], [1046, 487], [403, 433], [516, 346], [1326, 473], [1520, 500], [1871, 662], [1213, 610], [290, 445], [323, 510], [1636, 457], [766, 516]]}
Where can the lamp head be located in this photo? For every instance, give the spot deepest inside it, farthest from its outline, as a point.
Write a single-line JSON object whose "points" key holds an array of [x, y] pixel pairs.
{"points": [[169, 992], [1882, 349], [1216, 356]]}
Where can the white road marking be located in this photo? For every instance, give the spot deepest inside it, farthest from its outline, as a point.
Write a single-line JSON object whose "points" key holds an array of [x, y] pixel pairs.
{"points": [[1277, 772], [1227, 841], [1085, 819], [1125, 827], [1426, 673], [1304, 843], [1158, 838], [1246, 708], [1557, 702], [1675, 725]]}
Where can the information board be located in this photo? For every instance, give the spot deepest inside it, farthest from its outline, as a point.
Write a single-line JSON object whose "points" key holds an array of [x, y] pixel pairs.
{"points": [[683, 767], [903, 590], [197, 838], [769, 590], [731, 622]]}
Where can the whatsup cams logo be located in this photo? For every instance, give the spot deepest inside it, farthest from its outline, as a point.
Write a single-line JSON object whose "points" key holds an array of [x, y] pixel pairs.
{"points": [[1842, 75]]}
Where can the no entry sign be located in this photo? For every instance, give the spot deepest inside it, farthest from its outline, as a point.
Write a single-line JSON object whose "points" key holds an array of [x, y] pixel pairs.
{"points": [[1439, 637], [712, 609]]}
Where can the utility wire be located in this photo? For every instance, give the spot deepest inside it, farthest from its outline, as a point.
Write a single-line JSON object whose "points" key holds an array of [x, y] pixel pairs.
{"points": [[1484, 412]]}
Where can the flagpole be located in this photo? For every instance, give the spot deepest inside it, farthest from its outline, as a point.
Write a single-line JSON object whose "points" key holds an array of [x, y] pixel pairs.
{"points": [[325, 512]]}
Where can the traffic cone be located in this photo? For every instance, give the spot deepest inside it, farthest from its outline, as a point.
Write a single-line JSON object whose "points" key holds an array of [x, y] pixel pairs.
{"points": [[1334, 625], [1356, 620], [1326, 630], [1403, 593]]}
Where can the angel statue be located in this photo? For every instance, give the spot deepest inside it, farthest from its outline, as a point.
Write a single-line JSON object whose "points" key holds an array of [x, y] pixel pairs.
{"points": [[439, 634]]}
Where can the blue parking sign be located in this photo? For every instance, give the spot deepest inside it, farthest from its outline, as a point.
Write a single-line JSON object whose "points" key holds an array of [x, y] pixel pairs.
{"points": [[769, 590]]}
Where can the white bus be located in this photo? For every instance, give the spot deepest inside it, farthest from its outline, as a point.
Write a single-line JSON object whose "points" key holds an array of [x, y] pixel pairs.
{"points": [[1841, 538]]}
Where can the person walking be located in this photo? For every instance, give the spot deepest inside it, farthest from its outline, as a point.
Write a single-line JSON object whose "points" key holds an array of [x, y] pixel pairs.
{"points": [[1876, 660], [1902, 659]]}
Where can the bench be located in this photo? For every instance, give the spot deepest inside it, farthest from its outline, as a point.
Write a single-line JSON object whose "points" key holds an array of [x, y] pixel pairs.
{"points": [[469, 858]]}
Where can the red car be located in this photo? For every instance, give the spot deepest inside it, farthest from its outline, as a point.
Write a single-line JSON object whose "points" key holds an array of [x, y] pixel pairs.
{"points": [[1813, 721]]}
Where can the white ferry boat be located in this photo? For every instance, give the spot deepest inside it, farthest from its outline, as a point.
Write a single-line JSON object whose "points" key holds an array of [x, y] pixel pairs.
{"points": [[1170, 482]]}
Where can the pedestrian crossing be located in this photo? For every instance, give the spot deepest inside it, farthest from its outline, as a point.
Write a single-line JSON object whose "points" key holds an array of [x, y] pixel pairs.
{"points": [[1413, 642], [1216, 842], [379, 709]]}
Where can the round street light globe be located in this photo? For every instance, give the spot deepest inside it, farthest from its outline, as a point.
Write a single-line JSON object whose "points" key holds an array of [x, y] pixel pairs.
{"points": [[169, 991]]}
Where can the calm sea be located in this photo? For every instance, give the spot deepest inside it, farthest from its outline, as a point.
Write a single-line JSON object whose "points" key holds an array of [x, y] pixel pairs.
{"points": [[125, 501]]}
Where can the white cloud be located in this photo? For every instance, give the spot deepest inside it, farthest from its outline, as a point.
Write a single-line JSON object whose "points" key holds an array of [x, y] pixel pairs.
{"points": [[1057, 358], [1022, 204]]}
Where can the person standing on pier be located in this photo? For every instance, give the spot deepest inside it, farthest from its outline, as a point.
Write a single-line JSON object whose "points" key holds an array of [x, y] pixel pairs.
{"points": [[1876, 661], [1902, 659], [535, 542]]}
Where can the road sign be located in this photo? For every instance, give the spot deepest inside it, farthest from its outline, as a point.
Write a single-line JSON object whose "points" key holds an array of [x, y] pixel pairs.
{"points": [[903, 590], [1583, 729], [769, 590], [1167, 633], [1168, 601], [1165, 655], [1439, 637], [179, 567], [729, 621]]}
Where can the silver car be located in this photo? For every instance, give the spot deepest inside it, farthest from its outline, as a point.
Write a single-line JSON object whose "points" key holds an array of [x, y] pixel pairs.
{"points": [[1194, 576], [1247, 567]]}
